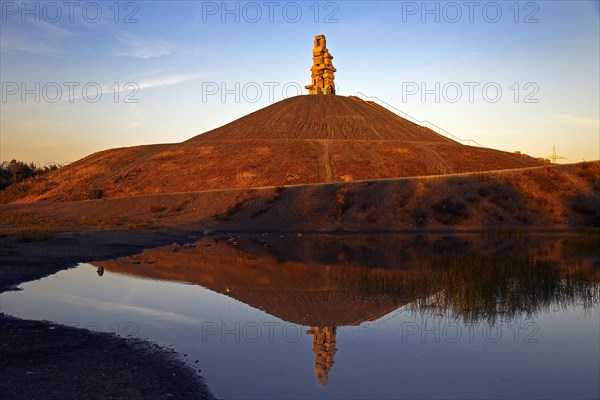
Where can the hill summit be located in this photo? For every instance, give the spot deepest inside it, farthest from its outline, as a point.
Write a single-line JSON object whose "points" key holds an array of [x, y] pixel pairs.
{"points": [[323, 117]]}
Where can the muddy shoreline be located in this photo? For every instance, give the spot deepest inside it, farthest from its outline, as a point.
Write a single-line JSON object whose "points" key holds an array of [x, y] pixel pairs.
{"points": [[43, 360]]}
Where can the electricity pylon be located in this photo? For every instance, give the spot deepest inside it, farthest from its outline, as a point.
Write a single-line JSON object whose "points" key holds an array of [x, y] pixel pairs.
{"points": [[555, 156]]}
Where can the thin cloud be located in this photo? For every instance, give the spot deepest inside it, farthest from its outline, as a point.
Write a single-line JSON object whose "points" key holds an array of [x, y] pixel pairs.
{"points": [[147, 84], [168, 80], [144, 48], [465, 58], [158, 82], [507, 132], [114, 306], [40, 38], [571, 119]]}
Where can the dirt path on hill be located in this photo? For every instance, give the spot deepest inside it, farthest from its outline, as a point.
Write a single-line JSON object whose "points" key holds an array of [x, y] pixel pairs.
{"points": [[327, 164]]}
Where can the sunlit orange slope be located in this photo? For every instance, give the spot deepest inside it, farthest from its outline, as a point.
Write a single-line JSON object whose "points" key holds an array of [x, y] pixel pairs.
{"points": [[303, 139]]}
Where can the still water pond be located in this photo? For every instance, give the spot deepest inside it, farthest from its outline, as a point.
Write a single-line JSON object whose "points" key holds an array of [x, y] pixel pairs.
{"points": [[387, 316]]}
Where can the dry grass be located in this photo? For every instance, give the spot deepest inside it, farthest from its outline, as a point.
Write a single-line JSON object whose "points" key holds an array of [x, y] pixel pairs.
{"points": [[18, 218], [29, 225], [590, 172], [85, 194], [31, 235]]}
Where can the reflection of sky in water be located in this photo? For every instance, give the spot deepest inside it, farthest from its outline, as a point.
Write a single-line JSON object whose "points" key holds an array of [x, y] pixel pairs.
{"points": [[405, 353]]}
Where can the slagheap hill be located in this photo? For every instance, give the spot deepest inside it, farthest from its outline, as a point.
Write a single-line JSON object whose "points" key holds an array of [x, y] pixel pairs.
{"points": [[300, 140]]}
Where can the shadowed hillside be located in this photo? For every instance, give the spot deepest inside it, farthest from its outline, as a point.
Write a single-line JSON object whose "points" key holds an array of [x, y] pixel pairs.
{"points": [[545, 197], [300, 140]]}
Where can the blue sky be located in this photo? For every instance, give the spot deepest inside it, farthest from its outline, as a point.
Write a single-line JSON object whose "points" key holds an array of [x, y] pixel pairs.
{"points": [[543, 57]]}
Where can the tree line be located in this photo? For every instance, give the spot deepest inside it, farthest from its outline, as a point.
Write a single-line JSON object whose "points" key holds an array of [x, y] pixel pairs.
{"points": [[16, 171]]}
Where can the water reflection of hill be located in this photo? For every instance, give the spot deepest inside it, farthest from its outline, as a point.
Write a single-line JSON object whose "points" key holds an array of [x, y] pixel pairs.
{"points": [[302, 293], [327, 281]]}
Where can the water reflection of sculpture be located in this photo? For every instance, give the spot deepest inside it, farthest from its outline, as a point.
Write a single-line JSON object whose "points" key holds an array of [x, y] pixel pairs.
{"points": [[324, 295], [324, 349]]}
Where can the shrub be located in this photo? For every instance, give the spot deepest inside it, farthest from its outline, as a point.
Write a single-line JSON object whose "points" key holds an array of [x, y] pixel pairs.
{"points": [[450, 211], [32, 235], [14, 172], [232, 209], [505, 195], [420, 216], [179, 208], [17, 171], [583, 205], [278, 192], [484, 191], [341, 203], [590, 172], [93, 194], [547, 179], [523, 218], [587, 206], [14, 192], [86, 194], [128, 175]]}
